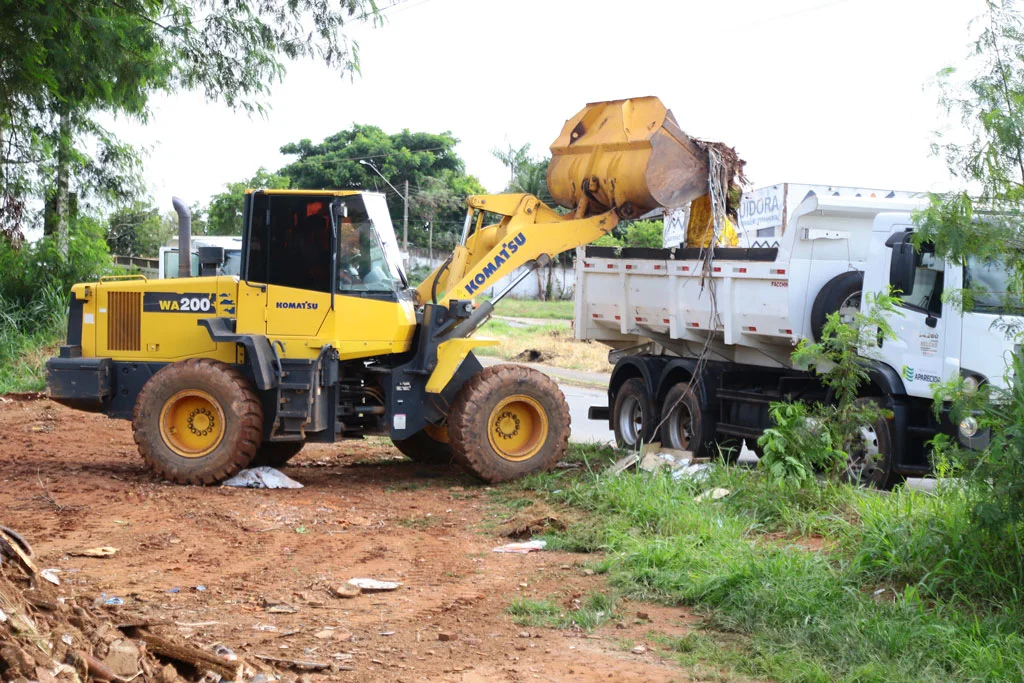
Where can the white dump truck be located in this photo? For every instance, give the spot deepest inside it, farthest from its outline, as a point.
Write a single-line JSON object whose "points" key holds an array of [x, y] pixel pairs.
{"points": [[700, 349]]}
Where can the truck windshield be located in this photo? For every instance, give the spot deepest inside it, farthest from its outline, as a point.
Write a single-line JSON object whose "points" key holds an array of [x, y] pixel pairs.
{"points": [[989, 282]]}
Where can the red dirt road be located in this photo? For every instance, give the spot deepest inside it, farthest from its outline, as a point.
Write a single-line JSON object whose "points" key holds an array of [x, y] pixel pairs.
{"points": [[72, 481]]}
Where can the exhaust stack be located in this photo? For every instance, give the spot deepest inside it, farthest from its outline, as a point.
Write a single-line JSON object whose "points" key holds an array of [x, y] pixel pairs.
{"points": [[184, 237]]}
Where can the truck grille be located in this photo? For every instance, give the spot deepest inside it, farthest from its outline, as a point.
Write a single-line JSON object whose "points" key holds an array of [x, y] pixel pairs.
{"points": [[124, 321]]}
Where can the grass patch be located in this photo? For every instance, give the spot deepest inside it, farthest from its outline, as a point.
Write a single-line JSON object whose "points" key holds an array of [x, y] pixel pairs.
{"points": [[828, 583], [29, 333], [585, 615], [555, 343], [531, 308]]}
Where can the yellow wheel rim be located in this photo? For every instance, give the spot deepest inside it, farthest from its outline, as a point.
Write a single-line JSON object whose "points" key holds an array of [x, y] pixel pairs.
{"points": [[192, 423], [517, 428], [438, 433]]}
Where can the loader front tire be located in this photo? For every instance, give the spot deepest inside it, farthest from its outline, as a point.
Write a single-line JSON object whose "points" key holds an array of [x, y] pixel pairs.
{"points": [[430, 446], [276, 453], [198, 421], [508, 421]]}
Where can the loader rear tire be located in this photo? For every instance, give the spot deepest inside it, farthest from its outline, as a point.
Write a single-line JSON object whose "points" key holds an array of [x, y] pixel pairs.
{"points": [[508, 421], [429, 446], [276, 453], [198, 421]]}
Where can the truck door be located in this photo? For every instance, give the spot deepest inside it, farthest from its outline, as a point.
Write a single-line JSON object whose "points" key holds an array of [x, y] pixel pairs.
{"points": [[921, 321]]}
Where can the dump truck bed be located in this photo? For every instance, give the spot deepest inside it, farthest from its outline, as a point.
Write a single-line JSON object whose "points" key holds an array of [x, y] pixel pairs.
{"points": [[755, 304]]}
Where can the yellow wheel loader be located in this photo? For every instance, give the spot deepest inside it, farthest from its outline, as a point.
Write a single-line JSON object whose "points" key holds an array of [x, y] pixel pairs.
{"points": [[322, 338]]}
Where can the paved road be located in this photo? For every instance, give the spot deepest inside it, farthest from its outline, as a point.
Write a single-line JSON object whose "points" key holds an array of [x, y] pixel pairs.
{"points": [[584, 430]]}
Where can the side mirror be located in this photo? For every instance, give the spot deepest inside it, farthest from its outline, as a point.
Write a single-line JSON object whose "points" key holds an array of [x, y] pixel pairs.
{"points": [[902, 265]]}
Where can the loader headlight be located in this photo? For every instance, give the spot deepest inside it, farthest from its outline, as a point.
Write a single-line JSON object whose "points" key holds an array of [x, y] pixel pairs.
{"points": [[968, 427]]}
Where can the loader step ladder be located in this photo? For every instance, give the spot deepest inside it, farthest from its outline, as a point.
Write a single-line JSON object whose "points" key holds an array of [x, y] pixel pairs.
{"points": [[297, 386], [295, 390]]}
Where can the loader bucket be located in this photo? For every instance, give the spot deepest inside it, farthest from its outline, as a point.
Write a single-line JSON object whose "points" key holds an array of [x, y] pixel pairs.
{"points": [[629, 155]]}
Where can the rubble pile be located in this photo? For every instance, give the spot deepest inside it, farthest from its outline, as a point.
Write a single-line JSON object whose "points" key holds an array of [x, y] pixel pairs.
{"points": [[49, 638]]}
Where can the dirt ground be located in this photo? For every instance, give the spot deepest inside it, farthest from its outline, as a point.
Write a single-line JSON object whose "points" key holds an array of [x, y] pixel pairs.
{"points": [[253, 570]]}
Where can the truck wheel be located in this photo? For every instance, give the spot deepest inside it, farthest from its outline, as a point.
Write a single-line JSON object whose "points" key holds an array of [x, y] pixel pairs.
{"points": [[633, 419], [429, 446], [870, 460], [276, 453], [198, 422], [508, 421], [842, 293], [684, 426]]}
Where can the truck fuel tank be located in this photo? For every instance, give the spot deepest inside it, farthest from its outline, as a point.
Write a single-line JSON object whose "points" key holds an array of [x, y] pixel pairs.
{"points": [[629, 155]]}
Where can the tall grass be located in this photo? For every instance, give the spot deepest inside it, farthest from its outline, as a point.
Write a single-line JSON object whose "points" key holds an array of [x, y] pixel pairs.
{"points": [[829, 583], [28, 332], [35, 283]]}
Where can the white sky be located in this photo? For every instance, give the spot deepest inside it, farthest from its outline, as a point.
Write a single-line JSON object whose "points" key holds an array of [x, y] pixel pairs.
{"points": [[816, 91]]}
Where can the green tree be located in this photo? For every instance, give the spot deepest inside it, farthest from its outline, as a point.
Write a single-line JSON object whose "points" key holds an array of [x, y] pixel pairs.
{"points": [[419, 158], [139, 230], [984, 224], [224, 215], [65, 61]]}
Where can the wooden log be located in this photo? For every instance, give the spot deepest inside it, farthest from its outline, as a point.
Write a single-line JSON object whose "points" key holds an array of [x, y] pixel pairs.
{"points": [[12, 547], [299, 664], [193, 656]]}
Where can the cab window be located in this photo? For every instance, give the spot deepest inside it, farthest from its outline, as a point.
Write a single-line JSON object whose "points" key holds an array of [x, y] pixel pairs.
{"points": [[294, 248], [361, 264], [929, 276]]}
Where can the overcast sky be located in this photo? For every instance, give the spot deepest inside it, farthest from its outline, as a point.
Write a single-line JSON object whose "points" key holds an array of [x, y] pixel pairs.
{"points": [[816, 91]]}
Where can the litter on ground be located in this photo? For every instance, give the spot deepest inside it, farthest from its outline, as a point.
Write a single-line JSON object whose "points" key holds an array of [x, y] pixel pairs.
{"points": [[521, 548], [262, 478], [713, 494], [374, 585]]}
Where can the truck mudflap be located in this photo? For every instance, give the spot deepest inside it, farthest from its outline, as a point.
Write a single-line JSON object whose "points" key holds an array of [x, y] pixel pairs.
{"points": [[80, 383]]}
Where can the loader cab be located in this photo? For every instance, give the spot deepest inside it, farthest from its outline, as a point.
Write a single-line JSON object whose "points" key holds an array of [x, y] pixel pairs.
{"points": [[307, 254]]}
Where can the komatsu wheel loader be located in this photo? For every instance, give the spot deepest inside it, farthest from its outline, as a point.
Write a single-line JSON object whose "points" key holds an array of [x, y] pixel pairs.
{"points": [[322, 338]]}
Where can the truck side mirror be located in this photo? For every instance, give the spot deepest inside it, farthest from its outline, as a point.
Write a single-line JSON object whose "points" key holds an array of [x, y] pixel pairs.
{"points": [[902, 265]]}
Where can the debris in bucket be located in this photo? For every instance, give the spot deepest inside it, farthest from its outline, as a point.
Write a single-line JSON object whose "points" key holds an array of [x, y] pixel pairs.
{"points": [[262, 478], [521, 548], [375, 585], [713, 494]]}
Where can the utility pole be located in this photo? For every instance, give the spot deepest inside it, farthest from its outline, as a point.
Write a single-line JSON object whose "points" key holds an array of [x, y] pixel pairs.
{"points": [[405, 221]]}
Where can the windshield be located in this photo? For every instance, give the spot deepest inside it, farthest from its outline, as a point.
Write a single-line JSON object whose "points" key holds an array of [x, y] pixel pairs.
{"points": [[361, 263], [988, 282]]}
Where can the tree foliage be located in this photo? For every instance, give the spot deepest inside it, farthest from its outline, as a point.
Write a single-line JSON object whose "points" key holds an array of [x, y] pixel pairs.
{"points": [[426, 160], [983, 221], [64, 61], [224, 215], [139, 230]]}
